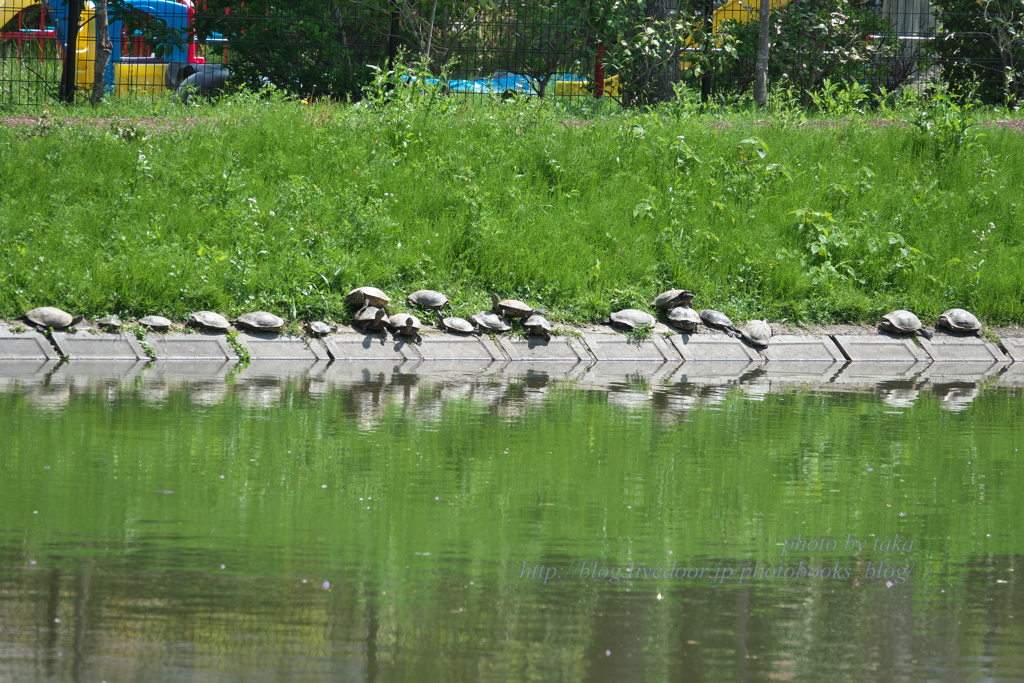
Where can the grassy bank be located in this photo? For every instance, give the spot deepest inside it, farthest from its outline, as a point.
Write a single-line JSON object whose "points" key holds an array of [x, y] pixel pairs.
{"points": [[285, 207]]}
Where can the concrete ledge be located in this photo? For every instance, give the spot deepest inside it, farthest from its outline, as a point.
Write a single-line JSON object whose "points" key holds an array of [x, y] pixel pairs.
{"points": [[864, 347], [451, 347], [619, 347], [789, 347], [714, 347], [535, 348], [369, 347], [282, 347], [197, 346], [1014, 347], [28, 345], [88, 346], [947, 347]]}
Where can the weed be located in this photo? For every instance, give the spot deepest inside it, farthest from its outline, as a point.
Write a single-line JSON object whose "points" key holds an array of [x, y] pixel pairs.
{"points": [[140, 335], [18, 329], [639, 334], [231, 336]]}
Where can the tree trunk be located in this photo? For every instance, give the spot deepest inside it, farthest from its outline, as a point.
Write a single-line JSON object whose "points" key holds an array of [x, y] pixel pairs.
{"points": [[103, 49], [763, 45]]}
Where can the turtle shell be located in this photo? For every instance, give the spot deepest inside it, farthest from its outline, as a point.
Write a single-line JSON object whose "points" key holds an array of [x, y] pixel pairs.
{"points": [[404, 323], [48, 316], [319, 327], [156, 322], [959, 320], [428, 298], [684, 317], [490, 321], [110, 321], [632, 318], [757, 332], [714, 318], [672, 298], [260, 321], [454, 324], [513, 308], [208, 320], [371, 318], [537, 324], [901, 322], [368, 295]]}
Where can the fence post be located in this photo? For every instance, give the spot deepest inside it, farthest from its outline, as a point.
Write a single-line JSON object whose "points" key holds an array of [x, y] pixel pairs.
{"points": [[599, 71], [67, 77]]}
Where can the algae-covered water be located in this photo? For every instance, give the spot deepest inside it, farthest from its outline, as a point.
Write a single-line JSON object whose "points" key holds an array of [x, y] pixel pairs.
{"points": [[370, 522]]}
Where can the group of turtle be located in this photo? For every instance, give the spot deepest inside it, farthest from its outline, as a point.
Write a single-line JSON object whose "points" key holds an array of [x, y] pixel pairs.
{"points": [[48, 317], [372, 314], [676, 305]]}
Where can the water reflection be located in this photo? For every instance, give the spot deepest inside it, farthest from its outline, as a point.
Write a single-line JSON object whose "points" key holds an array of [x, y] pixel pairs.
{"points": [[422, 389]]}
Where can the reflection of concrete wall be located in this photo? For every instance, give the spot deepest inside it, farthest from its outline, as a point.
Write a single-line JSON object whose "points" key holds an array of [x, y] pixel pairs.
{"points": [[909, 17]]}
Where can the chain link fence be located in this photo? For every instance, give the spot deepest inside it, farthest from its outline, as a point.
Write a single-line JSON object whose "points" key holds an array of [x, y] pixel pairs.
{"points": [[562, 48]]}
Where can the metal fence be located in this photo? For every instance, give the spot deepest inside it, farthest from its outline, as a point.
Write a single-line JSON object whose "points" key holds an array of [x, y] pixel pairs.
{"points": [[530, 47]]}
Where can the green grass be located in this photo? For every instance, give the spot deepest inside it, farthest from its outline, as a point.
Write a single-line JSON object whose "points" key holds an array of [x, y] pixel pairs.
{"points": [[577, 208]]}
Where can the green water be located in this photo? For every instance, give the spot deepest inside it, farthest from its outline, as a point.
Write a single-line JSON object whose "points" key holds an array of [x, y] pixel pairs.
{"points": [[301, 523]]}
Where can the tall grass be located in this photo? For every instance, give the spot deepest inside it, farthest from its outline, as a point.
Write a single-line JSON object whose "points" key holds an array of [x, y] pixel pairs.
{"points": [[281, 206]]}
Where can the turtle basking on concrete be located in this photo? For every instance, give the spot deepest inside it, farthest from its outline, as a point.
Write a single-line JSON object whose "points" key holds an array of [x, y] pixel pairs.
{"points": [[903, 322], [458, 325], [110, 322], [208, 320], [631, 318], [259, 321], [720, 321], [405, 324], [672, 298], [371, 318], [318, 328], [538, 325], [959, 320], [368, 296], [757, 333], [156, 322], [490, 321], [513, 308], [685, 318], [50, 317], [428, 298]]}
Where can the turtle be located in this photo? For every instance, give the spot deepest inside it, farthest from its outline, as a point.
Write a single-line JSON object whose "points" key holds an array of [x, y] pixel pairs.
{"points": [[259, 321], [371, 318], [405, 324], [631, 318], [757, 333], [959, 320], [208, 320], [684, 317], [720, 321], [155, 322], [110, 322], [903, 322], [539, 325], [318, 328], [490, 321], [461, 325], [428, 298], [48, 316], [672, 299], [368, 296], [512, 308]]}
